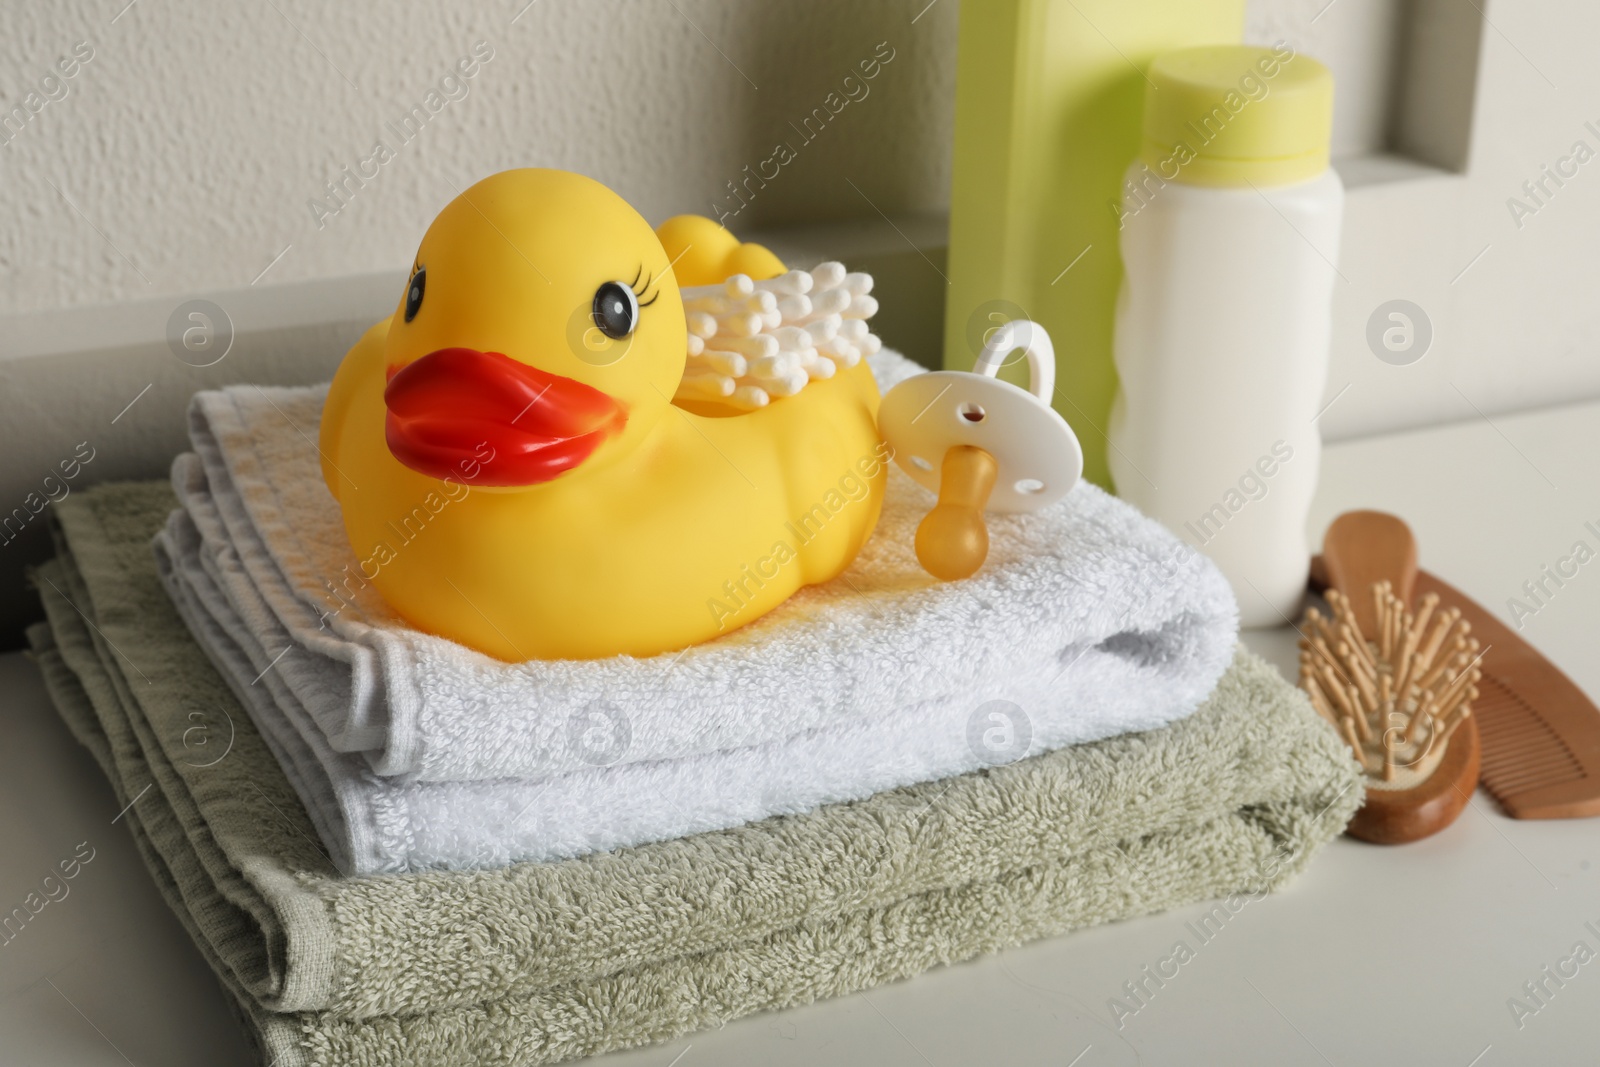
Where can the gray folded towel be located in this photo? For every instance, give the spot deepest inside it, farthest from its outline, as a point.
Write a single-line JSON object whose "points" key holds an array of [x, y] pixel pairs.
{"points": [[537, 963]]}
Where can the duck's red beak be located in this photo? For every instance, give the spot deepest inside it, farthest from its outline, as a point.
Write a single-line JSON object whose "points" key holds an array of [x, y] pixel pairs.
{"points": [[486, 419]]}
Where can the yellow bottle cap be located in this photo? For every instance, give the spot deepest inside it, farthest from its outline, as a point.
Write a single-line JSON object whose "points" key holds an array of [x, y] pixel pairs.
{"points": [[1232, 115]]}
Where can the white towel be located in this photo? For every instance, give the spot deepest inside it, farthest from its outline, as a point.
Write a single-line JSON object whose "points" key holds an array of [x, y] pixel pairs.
{"points": [[1089, 618]]}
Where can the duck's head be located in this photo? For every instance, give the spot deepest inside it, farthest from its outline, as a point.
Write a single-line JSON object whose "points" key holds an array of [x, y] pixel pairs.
{"points": [[541, 329]]}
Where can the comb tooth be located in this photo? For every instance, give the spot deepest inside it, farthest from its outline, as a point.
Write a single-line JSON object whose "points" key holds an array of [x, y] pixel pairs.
{"points": [[1523, 736], [1520, 750], [1517, 744], [1543, 748], [1505, 744], [1513, 729], [1523, 767], [1494, 688], [1508, 779], [1517, 787], [1524, 741], [1521, 753], [1498, 695], [1533, 770], [1523, 789], [1523, 760], [1508, 717], [1508, 757], [1544, 775], [1501, 715], [1502, 712], [1504, 718]]}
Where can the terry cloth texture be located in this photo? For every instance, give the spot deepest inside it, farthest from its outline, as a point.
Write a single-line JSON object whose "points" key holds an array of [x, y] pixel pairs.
{"points": [[886, 652], [536, 963]]}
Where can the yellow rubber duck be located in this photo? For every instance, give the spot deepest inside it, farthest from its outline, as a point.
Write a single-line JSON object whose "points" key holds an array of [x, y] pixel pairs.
{"points": [[513, 474]]}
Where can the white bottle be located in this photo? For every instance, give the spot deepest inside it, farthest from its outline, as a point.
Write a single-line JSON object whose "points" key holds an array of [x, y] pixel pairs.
{"points": [[1230, 235]]}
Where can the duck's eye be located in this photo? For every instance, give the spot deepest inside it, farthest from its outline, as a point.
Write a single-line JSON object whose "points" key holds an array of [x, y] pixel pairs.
{"points": [[616, 310], [414, 294]]}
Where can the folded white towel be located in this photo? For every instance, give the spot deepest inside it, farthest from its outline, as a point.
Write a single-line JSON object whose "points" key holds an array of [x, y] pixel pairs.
{"points": [[1091, 619]]}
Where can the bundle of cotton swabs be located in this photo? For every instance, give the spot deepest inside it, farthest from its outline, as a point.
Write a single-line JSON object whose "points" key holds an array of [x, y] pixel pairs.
{"points": [[751, 341]]}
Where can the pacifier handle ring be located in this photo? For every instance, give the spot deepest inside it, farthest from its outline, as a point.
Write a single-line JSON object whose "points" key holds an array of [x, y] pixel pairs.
{"points": [[1035, 344]]}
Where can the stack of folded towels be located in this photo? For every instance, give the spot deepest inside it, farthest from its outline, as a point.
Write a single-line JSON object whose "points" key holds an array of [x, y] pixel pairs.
{"points": [[393, 849]]}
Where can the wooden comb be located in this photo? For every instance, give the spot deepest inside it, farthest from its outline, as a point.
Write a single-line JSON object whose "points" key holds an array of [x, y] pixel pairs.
{"points": [[1540, 733]]}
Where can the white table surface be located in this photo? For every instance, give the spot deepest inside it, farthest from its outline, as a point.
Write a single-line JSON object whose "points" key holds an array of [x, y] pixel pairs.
{"points": [[1374, 956]]}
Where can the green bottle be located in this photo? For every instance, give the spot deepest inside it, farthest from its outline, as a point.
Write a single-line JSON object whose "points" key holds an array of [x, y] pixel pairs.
{"points": [[1049, 105]]}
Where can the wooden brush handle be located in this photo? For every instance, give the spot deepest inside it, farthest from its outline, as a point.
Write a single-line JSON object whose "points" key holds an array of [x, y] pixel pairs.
{"points": [[1362, 548]]}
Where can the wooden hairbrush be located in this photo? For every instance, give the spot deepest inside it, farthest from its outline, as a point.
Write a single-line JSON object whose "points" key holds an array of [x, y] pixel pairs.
{"points": [[1397, 685]]}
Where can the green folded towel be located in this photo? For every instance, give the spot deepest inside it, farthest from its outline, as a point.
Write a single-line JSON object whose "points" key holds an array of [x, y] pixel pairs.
{"points": [[537, 963]]}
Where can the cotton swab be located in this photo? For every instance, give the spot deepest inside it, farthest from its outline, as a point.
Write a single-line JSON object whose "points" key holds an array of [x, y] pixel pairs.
{"points": [[751, 341]]}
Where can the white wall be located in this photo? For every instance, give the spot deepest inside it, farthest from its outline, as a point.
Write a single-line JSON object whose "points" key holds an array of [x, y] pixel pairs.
{"points": [[1520, 327], [194, 138]]}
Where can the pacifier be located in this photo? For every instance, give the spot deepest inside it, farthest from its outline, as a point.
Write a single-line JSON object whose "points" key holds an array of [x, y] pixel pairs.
{"points": [[983, 445]]}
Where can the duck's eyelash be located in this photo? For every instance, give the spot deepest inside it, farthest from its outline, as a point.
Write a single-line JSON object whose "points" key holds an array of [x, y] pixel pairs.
{"points": [[640, 290]]}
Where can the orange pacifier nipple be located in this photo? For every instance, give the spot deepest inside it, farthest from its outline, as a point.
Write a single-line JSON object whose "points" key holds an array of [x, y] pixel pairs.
{"points": [[953, 540]]}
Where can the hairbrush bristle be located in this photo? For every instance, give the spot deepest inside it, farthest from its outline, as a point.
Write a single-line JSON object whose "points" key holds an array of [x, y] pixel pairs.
{"points": [[1396, 699]]}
